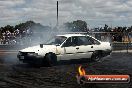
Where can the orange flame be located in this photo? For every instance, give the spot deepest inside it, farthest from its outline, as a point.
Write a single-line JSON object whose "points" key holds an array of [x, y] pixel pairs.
{"points": [[81, 71]]}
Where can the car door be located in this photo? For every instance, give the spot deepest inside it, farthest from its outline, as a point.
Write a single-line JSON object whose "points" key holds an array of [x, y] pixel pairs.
{"points": [[94, 43], [85, 47], [69, 49]]}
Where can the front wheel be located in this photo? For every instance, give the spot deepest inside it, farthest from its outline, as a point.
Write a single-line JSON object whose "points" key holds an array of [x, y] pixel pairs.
{"points": [[51, 59], [96, 56]]}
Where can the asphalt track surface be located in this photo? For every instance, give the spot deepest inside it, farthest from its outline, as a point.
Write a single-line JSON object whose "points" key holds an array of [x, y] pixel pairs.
{"points": [[14, 74]]}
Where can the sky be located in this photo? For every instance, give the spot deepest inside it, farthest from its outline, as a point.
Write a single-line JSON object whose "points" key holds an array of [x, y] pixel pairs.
{"points": [[95, 12]]}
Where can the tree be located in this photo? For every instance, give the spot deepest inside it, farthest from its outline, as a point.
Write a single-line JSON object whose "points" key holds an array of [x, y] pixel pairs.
{"points": [[80, 25], [7, 28], [76, 26]]}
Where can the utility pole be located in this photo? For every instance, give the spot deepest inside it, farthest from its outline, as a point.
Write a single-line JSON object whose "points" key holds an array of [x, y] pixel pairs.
{"points": [[57, 14]]}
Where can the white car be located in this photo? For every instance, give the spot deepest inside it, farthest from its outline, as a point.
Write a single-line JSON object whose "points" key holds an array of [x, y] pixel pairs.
{"points": [[65, 47]]}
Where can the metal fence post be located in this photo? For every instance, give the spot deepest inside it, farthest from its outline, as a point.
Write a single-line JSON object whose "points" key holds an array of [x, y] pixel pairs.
{"points": [[128, 41]]}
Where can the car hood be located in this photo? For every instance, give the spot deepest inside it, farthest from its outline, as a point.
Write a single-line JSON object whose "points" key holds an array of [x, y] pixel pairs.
{"points": [[38, 48]]}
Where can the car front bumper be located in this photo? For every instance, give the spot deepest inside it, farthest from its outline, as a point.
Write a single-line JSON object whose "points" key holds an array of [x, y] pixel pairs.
{"points": [[25, 58]]}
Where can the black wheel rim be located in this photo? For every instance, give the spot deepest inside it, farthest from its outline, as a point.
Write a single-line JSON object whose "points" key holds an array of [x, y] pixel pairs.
{"points": [[50, 60], [97, 58]]}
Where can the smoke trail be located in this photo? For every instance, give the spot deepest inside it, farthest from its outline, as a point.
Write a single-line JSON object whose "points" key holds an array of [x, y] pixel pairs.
{"points": [[38, 36]]}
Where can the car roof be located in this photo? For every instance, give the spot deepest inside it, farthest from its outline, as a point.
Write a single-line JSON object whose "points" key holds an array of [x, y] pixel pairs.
{"points": [[70, 35]]}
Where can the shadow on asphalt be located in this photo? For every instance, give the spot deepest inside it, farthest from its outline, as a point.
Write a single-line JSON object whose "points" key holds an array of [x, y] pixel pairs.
{"points": [[59, 63]]}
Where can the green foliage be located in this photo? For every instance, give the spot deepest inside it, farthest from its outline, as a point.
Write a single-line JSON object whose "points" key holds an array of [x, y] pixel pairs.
{"points": [[76, 26]]}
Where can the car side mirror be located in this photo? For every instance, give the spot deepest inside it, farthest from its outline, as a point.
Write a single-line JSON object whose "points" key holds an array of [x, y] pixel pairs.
{"points": [[41, 45]]}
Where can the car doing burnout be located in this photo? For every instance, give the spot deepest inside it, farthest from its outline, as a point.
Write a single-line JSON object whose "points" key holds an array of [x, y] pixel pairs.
{"points": [[65, 47]]}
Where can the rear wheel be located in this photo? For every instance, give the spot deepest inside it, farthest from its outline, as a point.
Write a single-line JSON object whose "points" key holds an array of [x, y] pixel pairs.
{"points": [[96, 56], [51, 59]]}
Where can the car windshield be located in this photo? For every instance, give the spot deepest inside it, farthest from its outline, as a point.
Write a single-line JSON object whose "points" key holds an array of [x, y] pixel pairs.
{"points": [[56, 40]]}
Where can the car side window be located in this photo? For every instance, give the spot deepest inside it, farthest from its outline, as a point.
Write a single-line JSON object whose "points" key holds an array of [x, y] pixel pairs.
{"points": [[83, 40], [80, 40], [67, 42], [75, 41], [93, 41], [71, 41]]}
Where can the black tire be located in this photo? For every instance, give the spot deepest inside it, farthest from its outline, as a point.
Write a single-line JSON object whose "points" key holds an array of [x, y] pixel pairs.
{"points": [[96, 56], [51, 59]]}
